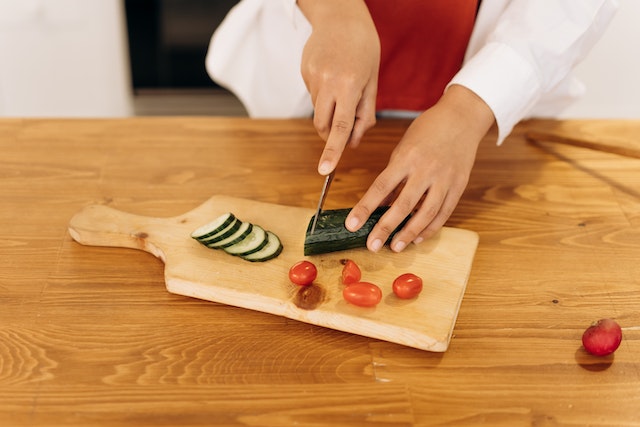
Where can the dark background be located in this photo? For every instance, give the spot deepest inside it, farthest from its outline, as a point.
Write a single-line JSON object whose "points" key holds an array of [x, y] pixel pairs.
{"points": [[168, 41]]}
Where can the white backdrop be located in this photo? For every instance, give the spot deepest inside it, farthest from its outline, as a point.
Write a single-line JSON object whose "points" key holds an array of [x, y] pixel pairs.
{"points": [[64, 58], [611, 72]]}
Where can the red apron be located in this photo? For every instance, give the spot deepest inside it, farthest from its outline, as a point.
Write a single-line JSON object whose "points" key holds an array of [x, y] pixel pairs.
{"points": [[422, 47]]}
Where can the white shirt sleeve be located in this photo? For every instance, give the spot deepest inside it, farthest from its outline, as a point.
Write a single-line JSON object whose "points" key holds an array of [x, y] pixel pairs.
{"points": [[290, 7], [256, 53], [521, 65]]}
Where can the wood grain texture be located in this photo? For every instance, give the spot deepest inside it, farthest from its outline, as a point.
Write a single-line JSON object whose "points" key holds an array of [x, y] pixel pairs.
{"points": [[425, 322], [90, 337], [618, 137]]}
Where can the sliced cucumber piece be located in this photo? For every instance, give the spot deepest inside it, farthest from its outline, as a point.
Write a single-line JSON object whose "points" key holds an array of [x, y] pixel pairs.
{"points": [[254, 241], [223, 234], [244, 239], [214, 227], [270, 251], [241, 233]]}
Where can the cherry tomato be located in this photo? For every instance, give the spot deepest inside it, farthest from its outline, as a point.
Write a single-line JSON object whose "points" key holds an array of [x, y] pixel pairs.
{"points": [[363, 294], [602, 338], [350, 272], [303, 273], [407, 286]]}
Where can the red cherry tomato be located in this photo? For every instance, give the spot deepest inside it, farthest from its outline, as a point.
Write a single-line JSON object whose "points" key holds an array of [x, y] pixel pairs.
{"points": [[602, 338], [363, 294], [303, 273], [350, 272], [407, 286]]}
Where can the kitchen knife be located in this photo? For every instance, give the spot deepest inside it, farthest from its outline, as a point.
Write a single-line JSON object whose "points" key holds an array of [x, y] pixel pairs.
{"points": [[323, 196]]}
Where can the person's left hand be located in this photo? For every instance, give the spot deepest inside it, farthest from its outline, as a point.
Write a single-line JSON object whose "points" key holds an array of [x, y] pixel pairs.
{"points": [[429, 169]]}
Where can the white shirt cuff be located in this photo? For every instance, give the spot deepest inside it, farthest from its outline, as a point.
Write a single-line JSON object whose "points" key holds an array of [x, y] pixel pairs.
{"points": [[504, 80]]}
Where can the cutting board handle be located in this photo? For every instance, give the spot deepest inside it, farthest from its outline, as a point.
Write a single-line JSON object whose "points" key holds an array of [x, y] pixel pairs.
{"points": [[99, 225]]}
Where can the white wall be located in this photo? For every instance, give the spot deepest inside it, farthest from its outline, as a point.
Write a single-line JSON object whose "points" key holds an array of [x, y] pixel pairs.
{"points": [[64, 58], [611, 72]]}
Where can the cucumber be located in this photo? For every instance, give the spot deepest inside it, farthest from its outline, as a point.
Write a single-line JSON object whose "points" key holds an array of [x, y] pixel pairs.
{"points": [[214, 227], [222, 234], [254, 241], [235, 237], [243, 231], [272, 249], [331, 235]]}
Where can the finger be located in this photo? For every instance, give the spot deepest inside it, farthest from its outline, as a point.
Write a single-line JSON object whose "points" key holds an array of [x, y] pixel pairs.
{"points": [[448, 206], [324, 107], [341, 128], [380, 189], [388, 200], [406, 203], [365, 115], [427, 210]]}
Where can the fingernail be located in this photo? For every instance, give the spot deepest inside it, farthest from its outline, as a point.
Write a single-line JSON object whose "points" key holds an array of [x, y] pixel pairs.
{"points": [[399, 246], [324, 168], [352, 223], [376, 245], [418, 240]]}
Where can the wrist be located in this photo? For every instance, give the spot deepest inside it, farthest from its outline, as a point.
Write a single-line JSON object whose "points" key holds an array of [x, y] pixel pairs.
{"points": [[469, 108]]}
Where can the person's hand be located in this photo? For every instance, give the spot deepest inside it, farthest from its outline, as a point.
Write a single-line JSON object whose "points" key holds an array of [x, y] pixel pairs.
{"points": [[340, 63], [429, 169]]}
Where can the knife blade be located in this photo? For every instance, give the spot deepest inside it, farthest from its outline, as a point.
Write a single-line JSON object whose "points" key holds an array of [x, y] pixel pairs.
{"points": [[323, 197]]}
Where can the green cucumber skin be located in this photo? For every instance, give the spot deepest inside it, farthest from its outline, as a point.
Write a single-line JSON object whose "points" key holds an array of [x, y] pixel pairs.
{"points": [[222, 234], [261, 253], [229, 221], [238, 239], [258, 257], [331, 235], [266, 258], [230, 250]]}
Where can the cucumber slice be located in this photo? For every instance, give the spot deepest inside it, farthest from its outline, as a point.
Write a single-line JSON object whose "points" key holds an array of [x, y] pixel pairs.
{"points": [[270, 251], [241, 233], [254, 241], [214, 227], [223, 234], [244, 239]]}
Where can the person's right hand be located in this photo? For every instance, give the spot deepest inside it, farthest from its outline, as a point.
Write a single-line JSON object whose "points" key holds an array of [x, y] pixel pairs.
{"points": [[340, 65]]}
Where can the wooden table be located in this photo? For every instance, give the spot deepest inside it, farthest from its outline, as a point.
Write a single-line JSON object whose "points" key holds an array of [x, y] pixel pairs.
{"points": [[89, 335]]}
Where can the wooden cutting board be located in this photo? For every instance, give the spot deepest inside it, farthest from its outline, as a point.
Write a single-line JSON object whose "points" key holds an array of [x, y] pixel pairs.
{"points": [[193, 270]]}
